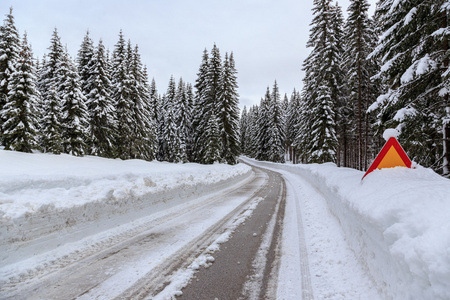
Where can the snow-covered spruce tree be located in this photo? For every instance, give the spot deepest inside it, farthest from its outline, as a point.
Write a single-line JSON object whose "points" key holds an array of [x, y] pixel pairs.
{"points": [[161, 125], [360, 39], [413, 49], [74, 115], [243, 129], [9, 55], [321, 86], [228, 111], [214, 146], [121, 83], [47, 76], [190, 99], [19, 128], [48, 84], [144, 144], [154, 100], [338, 73], [263, 136], [51, 122], [252, 131], [292, 120], [176, 151], [100, 105], [207, 102], [183, 117], [202, 109], [83, 60], [276, 126]]}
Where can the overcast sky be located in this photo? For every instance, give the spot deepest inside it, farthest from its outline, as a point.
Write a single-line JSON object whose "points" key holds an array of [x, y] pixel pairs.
{"points": [[267, 37]]}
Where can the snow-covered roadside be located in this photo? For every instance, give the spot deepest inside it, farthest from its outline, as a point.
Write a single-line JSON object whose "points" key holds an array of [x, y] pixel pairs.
{"points": [[49, 200], [396, 221]]}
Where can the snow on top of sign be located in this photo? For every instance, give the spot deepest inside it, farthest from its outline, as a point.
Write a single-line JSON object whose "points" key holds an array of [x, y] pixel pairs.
{"points": [[391, 132]]}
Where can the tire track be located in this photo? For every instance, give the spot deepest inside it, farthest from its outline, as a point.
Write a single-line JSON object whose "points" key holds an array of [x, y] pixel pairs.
{"points": [[77, 273]]}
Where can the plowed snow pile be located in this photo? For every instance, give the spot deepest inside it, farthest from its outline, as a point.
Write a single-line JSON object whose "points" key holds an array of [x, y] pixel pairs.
{"points": [[397, 221], [47, 200]]}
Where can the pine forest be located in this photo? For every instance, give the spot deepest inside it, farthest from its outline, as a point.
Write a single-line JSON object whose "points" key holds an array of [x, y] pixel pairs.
{"points": [[363, 74]]}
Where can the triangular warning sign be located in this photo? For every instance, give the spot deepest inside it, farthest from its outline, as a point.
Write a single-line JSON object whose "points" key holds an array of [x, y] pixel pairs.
{"points": [[392, 155]]}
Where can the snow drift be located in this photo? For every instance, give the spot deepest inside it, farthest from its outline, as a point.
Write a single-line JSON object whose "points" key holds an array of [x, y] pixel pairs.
{"points": [[397, 221], [47, 200]]}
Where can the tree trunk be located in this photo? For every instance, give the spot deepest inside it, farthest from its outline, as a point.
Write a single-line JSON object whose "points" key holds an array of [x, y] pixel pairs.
{"points": [[446, 123]]}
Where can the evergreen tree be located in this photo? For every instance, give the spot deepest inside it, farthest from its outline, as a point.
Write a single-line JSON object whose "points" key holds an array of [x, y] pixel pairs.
{"points": [[154, 100], [243, 131], [263, 135], [144, 139], [84, 58], [213, 84], [175, 151], [414, 54], [100, 105], [48, 84], [190, 98], [292, 120], [276, 127], [183, 111], [323, 79], [252, 131], [121, 94], [47, 76], [202, 108], [213, 139], [51, 122], [74, 117], [9, 55], [19, 129], [228, 111], [360, 38]]}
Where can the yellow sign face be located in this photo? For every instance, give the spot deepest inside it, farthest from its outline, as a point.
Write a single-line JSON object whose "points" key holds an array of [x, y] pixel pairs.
{"points": [[391, 160], [392, 155]]}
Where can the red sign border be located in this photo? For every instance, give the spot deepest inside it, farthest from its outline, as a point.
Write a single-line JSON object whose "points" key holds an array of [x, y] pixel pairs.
{"points": [[392, 142]]}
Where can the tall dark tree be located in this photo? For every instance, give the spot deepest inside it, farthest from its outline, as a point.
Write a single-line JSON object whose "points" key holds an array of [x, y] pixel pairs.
{"points": [[144, 135], [121, 94], [360, 39], [100, 105], [51, 122], [263, 135], [48, 85], [9, 55], [19, 129], [213, 140], [243, 131], [292, 120], [322, 84], [74, 117], [183, 115], [84, 58], [228, 111], [202, 108], [175, 150]]}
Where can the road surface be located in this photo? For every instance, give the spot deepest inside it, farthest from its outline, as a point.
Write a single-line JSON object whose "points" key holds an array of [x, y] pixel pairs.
{"points": [[223, 246]]}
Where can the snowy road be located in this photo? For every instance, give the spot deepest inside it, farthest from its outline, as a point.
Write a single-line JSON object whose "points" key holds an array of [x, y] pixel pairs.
{"points": [[153, 258], [277, 240]]}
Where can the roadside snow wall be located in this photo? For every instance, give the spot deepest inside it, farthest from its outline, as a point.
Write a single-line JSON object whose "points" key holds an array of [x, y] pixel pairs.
{"points": [[48, 200], [397, 221]]}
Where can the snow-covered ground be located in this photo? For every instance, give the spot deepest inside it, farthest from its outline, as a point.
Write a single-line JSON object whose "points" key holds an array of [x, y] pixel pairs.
{"points": [[50, 200], [391, 229], [385, 237]]}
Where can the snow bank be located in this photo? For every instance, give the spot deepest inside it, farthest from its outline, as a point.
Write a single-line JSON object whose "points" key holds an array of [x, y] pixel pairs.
{"points": [[397, 221], [47, 200]]}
